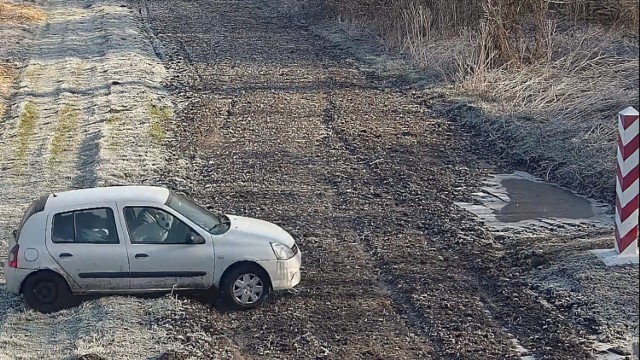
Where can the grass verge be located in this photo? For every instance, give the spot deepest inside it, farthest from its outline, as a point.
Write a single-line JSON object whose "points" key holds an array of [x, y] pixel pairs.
{"points": [[26, 129], [64, 134], [159, 116]]}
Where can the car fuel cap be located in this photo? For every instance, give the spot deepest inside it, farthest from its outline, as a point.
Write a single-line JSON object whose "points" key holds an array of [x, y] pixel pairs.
{"points": [[31, 254]]}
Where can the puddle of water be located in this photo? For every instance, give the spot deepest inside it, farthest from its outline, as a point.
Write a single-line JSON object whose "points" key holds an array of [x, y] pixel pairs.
{"points": [[530, 200], [521, 202]]}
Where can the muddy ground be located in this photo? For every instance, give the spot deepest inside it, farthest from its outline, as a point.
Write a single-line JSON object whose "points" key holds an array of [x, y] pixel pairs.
{"points": [[276, 123]]}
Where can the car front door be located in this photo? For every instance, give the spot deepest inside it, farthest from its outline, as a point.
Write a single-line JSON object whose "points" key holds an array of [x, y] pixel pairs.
{"points": [[88, 244], [165, 249]]}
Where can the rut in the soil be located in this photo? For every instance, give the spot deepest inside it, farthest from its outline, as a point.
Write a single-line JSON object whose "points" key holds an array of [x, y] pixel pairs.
{"points": [[275, 124]]}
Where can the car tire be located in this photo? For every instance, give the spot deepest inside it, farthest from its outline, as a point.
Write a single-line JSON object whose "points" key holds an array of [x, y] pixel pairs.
{"points": [[46, 292], [245, 287]]}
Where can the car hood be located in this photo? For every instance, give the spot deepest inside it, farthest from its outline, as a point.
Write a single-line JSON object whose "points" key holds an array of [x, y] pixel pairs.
{"points": [[255, 229]]}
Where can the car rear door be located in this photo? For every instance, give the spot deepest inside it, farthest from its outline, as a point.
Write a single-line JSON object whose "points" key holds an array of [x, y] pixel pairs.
{"points": [[180, 257], [88, 244]]}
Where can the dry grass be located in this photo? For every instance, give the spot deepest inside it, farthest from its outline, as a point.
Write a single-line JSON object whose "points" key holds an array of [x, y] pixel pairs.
{"points": [[558, 115], [26, 128], [505, 32], [7, 77], [65, 134], [11, 12], [619, 13]]}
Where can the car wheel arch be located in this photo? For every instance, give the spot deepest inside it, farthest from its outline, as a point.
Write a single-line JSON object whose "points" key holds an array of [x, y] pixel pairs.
{"points": [[242, 263], [50, 271]]}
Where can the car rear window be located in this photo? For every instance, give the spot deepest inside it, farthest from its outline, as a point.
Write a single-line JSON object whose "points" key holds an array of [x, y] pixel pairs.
{"points": [[35, 207]]}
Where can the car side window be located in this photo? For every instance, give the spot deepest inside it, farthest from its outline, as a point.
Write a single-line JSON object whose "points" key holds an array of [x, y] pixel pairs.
{"points": [[92, 226], [148, 225]]}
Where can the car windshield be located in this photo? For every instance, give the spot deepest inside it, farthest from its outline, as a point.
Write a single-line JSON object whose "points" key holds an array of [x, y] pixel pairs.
{"points": [[194, 212]]}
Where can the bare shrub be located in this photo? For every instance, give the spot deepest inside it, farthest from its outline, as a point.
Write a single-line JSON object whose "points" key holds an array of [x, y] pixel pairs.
{"points": [[509, 32], [514, 31], [620, 13]]}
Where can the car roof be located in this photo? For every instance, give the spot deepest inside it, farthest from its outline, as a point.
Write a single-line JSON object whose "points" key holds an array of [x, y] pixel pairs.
{"points": [[70, 198]]}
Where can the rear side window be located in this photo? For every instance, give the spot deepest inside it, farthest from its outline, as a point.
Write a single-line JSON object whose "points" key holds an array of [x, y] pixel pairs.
{"points": [[92, 226]]}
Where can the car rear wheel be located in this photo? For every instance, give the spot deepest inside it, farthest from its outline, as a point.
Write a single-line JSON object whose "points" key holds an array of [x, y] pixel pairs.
{"points": [[46, 292], [245, 287]]}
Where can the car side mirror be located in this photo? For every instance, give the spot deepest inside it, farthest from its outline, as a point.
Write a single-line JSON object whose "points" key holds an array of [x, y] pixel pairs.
{"points": [[15, 234], [195, 239]]}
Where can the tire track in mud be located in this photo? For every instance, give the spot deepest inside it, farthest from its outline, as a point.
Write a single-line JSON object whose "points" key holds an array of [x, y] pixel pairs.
{"points": [[379, 225], [482, 297], [89, 82], [466, 307]]}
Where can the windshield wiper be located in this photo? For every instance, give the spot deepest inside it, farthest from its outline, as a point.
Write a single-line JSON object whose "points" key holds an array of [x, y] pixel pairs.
{"points": [[214, 226]]}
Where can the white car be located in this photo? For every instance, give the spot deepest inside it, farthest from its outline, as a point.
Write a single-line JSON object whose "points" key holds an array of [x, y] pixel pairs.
{"points": [[141, 239]]}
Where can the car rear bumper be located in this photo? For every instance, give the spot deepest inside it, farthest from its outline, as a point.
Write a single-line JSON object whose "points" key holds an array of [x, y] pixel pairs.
{"points": [[14, 278], [284, 274]]}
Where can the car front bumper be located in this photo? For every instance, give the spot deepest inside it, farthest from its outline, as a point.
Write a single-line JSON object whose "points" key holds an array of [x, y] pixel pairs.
{"points": [[284, 274]]}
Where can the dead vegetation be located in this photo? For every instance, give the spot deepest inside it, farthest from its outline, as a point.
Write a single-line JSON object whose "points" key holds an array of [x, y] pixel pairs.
{"points": [[618, 13], [65, 135], [11, 12], [6, 81], [504, 32]]}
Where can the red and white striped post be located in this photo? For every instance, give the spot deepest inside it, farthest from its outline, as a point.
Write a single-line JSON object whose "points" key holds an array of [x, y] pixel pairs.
{"points": [[627, 188], [628, 179]]}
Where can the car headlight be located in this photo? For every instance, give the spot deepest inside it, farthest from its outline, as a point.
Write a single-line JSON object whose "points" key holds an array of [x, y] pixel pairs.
{"points": [[282, 251]]}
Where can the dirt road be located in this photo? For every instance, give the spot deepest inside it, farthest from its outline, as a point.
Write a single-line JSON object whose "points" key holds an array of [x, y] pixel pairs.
{"points": [[275, 123]]}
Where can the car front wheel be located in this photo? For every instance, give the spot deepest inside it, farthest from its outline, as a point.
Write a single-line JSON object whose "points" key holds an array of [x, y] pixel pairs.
{"points": [[245, 287], [46, 292]]}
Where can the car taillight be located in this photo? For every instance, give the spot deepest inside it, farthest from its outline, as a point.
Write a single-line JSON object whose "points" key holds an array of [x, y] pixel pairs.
{"points": [[13, 256]]}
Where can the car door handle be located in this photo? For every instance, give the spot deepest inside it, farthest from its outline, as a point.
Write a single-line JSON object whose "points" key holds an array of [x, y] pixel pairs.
{"points": [[65, 255], [138, 256]]}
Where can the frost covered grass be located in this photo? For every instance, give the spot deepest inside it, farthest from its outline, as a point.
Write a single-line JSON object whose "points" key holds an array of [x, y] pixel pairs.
{"points": [[26, 129], [112, 327], [68, 109], [65, 135]]}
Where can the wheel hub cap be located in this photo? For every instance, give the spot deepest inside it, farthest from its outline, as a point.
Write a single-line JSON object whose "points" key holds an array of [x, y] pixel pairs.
{"points": [[45, 292], [247, 289]]}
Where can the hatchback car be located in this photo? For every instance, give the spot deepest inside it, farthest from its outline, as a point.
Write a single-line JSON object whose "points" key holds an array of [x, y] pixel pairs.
{"points": [[142, 239]]}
